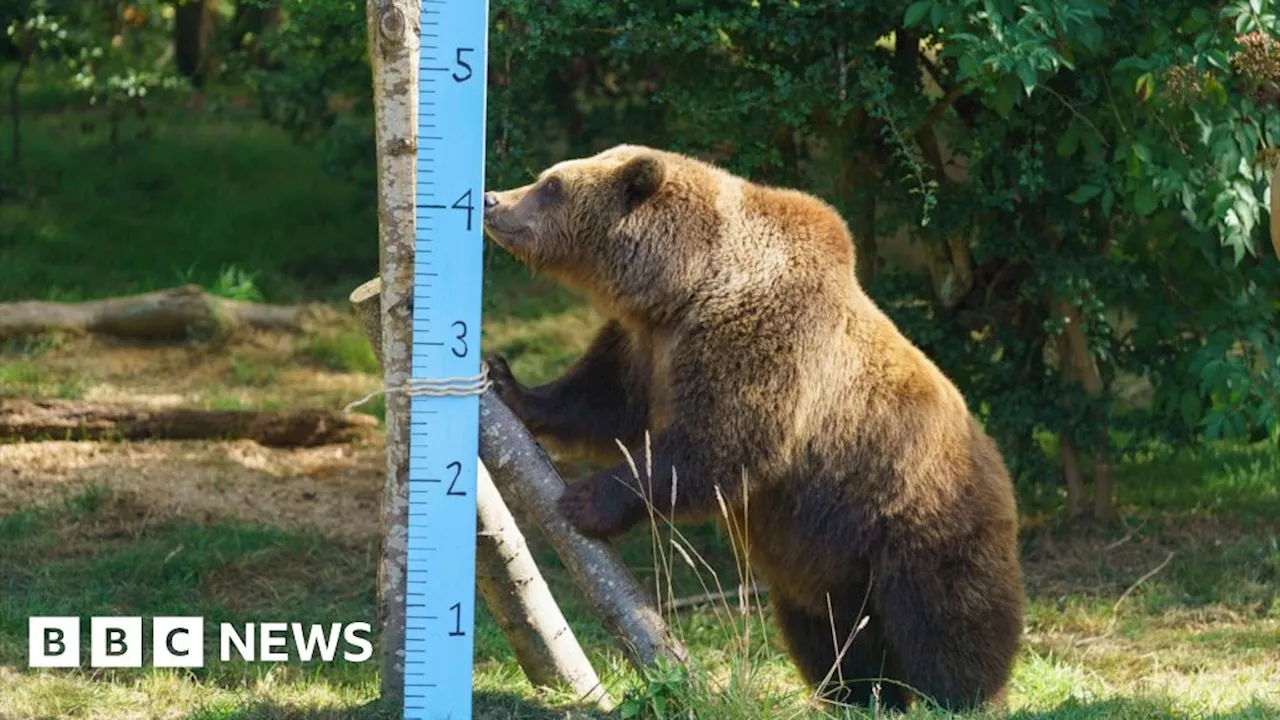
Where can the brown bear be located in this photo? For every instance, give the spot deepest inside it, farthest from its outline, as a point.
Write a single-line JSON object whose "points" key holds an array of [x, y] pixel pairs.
{"points": [[739, 340]]}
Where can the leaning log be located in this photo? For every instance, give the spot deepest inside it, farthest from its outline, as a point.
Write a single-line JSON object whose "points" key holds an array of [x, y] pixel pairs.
{"points": [[522, 470], [522, 605], [508, 578], [169, 314], [54, 419]]}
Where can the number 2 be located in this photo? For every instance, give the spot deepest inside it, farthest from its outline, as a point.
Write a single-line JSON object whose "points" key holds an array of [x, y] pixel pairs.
{"points": [[457, 471]]}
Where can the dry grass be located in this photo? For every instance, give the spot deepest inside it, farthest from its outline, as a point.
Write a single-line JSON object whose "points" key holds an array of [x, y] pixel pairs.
{"points": [[197, 481], [258, 370]]}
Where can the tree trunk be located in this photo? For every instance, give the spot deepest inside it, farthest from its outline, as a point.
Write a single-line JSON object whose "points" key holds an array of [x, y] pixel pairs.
{"points": [[393, 45], [15, 109], [192, 27], [522, 605], [249, 24], [1274, 211], [1081, 367], [162, 315], [1104, 492], [1071, 473], [950, 264], [860, 186], [49, 419], [508, 578]]}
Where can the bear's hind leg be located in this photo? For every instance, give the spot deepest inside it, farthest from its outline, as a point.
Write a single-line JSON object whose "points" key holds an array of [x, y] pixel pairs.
{"points": [[955, 627], [814, 646]]}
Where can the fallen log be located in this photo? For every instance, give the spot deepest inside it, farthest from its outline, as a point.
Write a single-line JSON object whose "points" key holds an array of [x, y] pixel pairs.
{"points": [[50, 419], [743, 594], [508, 578], [168, 314]]}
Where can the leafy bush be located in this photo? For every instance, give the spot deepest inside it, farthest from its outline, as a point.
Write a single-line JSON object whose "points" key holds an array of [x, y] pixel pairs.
{"points": [[109, 52]]}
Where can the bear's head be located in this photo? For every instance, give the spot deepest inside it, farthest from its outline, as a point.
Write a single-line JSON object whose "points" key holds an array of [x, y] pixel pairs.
{"points": [[629, 225]]}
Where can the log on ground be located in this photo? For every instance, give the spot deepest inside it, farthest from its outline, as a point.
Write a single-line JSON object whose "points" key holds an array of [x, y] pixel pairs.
{"points": [[51, 419], [169, 314]]}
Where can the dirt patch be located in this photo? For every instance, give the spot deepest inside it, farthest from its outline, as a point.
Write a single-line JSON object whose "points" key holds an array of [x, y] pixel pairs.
{"points": [[1099, 565], [250, 369], [335, 490]]}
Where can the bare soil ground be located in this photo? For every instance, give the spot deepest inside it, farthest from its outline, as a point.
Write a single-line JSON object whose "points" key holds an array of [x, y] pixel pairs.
{"points": [[334, 489]]}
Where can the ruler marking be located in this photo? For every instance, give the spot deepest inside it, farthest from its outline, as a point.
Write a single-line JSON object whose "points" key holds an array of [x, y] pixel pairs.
{"points": [[446, 312]]}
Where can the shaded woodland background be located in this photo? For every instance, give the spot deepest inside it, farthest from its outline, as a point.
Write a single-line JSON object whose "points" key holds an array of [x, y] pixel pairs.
{"points": [[1063, 202]]}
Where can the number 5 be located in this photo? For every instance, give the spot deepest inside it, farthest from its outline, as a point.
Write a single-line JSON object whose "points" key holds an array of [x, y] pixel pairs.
{"points": [[458, 59]]}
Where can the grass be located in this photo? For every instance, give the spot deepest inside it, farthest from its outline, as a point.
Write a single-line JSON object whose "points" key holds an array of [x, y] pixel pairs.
{"points": [[1201, 638], [206, 198], [1177, 614]]}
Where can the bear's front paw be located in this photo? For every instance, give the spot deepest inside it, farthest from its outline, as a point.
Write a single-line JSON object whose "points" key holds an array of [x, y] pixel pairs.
{"points": [[504, 382], [600, 507]]}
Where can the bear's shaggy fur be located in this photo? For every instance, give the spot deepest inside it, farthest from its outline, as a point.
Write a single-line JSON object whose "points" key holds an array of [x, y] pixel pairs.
{"points": [[738, 337]]}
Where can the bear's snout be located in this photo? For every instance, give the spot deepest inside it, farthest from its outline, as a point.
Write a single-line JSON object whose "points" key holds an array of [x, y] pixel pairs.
{"points": [[490, 201]]}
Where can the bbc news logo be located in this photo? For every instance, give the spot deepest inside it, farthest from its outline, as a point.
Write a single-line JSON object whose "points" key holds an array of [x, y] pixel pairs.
{"points": [[179, 642]]}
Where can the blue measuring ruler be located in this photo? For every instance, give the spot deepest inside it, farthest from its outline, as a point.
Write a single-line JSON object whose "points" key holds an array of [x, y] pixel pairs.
{"points": [[444, 431]]}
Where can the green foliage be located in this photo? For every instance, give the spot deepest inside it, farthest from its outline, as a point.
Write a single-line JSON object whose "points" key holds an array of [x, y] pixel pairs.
{"points": [[205, 201], [236, 284], [108, 51], [1116, 161], [660, 696], [318, 88], [341, 351]]}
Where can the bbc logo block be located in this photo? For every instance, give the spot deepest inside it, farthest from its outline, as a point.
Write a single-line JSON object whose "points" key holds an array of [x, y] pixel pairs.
{"points": [[179, 642], [53, 642]]}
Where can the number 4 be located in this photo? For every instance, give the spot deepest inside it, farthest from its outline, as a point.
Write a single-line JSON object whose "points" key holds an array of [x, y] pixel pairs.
{"points": [[464, 203]]}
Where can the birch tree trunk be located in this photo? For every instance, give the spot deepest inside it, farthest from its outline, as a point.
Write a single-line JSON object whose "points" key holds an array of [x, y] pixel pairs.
{"points": [[393, 53]]}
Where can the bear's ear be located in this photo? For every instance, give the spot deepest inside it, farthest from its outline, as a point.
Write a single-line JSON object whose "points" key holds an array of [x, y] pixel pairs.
{"points": [[640, 178]]}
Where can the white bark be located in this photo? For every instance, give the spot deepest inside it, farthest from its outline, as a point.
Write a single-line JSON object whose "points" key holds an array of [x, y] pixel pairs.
{"points": [[393, 57]]}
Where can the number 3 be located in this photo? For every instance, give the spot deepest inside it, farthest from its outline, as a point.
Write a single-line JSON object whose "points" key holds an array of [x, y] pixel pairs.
{"points": [[461, 337]]}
